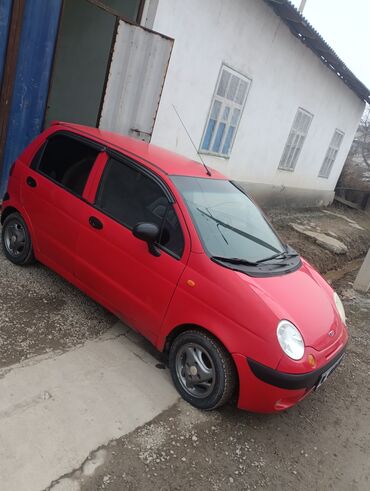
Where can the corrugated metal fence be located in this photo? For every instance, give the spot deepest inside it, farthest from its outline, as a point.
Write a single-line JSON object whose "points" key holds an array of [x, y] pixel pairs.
{"points": [[134, 74], [5, 14], [39, 30]]}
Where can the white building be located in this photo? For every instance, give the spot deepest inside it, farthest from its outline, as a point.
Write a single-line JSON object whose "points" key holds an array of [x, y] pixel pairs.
{"points": [[266, 101]]}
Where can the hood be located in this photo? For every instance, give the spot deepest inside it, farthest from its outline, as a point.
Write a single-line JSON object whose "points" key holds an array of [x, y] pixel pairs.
{"points": [[305, 299]]}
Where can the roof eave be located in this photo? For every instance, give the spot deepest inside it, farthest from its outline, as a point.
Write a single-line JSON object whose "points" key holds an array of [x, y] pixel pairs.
{"points": [[307, 34]]}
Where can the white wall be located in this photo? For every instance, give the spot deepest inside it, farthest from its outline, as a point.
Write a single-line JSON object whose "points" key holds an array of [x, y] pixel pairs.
{"points": [[249, 37]]}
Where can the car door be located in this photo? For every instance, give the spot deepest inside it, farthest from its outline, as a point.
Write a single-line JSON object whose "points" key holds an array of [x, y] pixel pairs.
{"points": [[52, 194], [117, 268]]}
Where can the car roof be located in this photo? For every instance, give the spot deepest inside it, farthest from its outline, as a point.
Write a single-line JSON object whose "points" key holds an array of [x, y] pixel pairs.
{"points": [[168, 162]]}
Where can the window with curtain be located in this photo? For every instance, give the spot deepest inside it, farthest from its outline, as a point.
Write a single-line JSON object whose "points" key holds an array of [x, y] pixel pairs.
{"points": [[296, 138], [225, 112], [331, 154]]}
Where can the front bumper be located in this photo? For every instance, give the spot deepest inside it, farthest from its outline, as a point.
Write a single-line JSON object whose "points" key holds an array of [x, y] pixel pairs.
{"points": [[292, 380], [263, 389]]}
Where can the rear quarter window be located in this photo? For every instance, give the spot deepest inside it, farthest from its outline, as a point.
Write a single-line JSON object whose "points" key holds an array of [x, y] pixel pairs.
{"points": [[66, 161]]}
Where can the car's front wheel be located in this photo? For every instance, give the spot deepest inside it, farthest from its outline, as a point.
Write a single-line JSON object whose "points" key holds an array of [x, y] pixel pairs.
{"points": [[16, 240], [202, 370]]}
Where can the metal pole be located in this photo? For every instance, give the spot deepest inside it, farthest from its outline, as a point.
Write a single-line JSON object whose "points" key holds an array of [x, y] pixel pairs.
{"points": [[301, 7]]}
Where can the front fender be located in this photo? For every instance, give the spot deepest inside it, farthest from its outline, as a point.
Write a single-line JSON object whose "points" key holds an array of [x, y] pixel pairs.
{"points": [[188, 308]]}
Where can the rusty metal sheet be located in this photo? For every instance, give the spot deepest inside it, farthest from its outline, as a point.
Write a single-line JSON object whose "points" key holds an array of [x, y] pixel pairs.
{"points": [[136, 77]]}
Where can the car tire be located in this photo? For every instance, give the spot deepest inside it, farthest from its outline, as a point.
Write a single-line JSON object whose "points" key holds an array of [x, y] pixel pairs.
{"points": [[202, 370], [16, 240]]}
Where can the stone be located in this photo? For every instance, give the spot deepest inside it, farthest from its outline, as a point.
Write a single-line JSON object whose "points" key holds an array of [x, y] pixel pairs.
{"points": [[329, 243], [353, 223]]}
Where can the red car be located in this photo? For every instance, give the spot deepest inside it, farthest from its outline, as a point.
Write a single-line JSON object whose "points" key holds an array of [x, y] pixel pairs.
{"points": [[182, 255]]}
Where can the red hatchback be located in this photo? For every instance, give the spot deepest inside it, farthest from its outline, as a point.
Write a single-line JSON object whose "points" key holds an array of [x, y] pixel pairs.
{"points": [[183, 256]]}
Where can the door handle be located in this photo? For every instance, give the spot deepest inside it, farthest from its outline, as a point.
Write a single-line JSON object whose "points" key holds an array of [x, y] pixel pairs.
{"points": [[96, 223], [31, 182]]}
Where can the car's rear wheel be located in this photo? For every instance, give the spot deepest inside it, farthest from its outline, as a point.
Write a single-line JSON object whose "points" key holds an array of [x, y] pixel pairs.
{"points": [[16, 240], [202, 370]]}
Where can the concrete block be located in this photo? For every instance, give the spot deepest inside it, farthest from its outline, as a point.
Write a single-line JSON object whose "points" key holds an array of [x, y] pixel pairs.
{"points": [[325, 241], [362, 282]]}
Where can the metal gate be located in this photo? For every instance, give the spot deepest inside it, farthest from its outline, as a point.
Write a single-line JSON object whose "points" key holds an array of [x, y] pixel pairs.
{"points": [[5, 13], [132, 74], [136, 77], [32, 74]]}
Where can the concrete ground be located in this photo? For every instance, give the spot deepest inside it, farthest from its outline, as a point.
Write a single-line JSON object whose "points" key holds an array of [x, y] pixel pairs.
{"points": [[65, 405], [86, 405]]}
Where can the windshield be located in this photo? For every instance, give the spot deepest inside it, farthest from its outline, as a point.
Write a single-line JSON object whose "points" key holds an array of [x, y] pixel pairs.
{"points": [[229, 224]]}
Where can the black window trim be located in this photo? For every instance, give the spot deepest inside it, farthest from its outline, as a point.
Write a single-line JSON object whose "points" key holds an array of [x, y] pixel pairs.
{"points": [[100, 148], [90, 143], [116, 148], [82, 139], [121, 158], [38, 157]]}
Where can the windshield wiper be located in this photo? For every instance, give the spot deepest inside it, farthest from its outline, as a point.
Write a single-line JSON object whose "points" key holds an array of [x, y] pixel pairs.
{"points": [[281, 255], [240, 232], [234, 260], [244, 262]]}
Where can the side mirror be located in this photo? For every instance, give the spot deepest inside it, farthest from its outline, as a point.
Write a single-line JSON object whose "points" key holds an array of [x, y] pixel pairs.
{"points": [[149, 233]]}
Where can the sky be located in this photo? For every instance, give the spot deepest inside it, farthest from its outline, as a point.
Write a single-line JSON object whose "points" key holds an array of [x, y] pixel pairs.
{"points": [[344, 24]]}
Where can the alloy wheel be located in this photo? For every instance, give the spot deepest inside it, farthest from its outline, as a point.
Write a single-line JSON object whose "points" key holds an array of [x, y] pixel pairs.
{"points": [[195, 370], [15, 238]]}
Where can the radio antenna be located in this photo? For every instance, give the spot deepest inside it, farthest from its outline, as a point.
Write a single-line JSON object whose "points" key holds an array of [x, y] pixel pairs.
{"points": [[195, 148]]}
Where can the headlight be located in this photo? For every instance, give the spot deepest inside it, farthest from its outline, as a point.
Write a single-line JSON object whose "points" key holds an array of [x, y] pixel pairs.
{"points": [[290, 340], [340, 308]]}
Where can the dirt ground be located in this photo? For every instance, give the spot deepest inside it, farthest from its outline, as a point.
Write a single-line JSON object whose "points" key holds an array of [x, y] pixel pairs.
{"points": [[352, 227], [40, 312], [323, 443]]}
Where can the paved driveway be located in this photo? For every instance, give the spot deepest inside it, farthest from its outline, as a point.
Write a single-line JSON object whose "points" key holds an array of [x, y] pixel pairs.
{"points": [[55, 409], [72, 378]]}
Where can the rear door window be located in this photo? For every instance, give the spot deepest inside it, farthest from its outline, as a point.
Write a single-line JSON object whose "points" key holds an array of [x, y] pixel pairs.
{"points": [[66, 161], [130, 196]]}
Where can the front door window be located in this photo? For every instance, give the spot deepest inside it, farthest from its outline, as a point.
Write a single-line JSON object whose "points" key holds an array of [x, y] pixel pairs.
{"points": [[130, 196]]}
